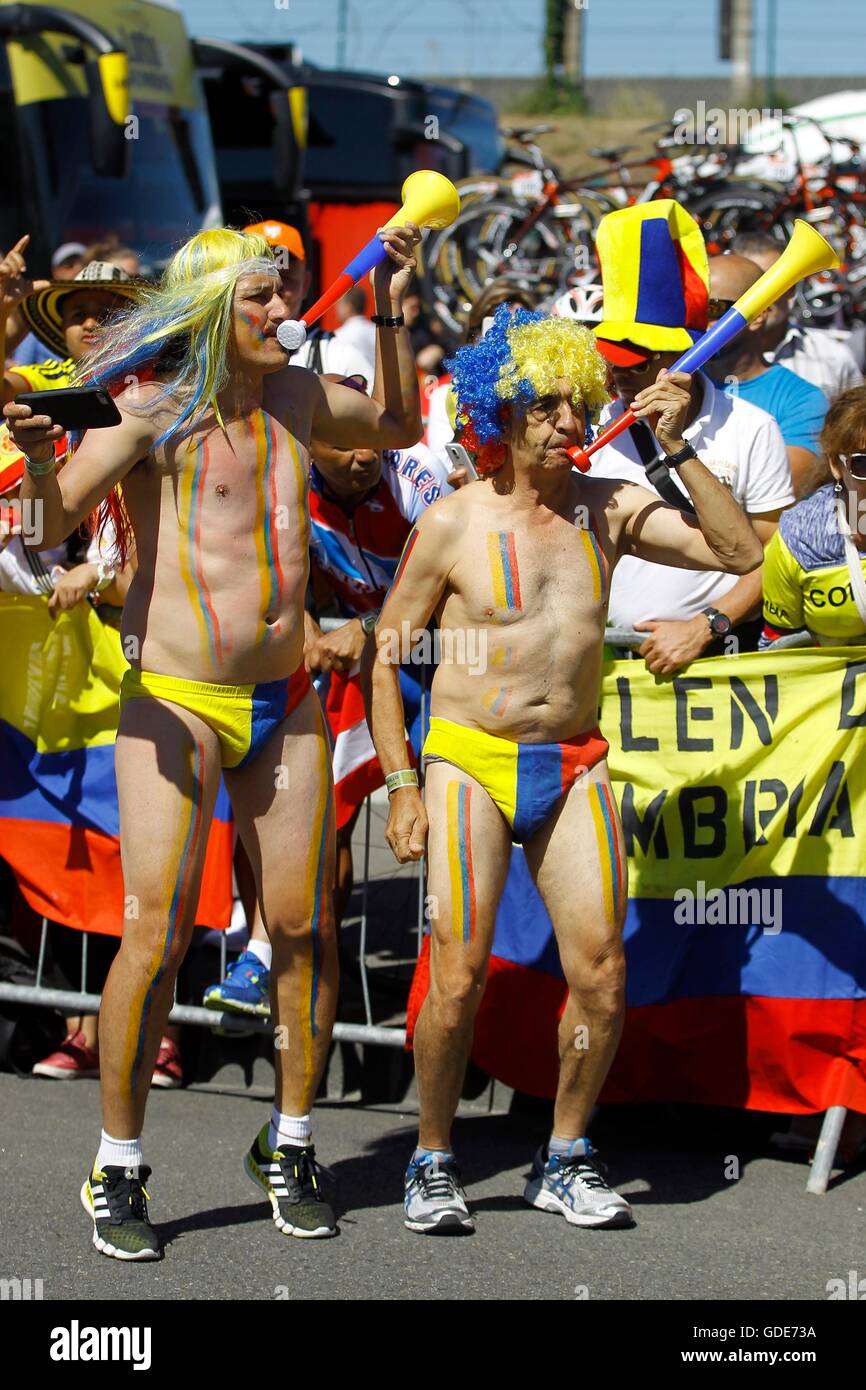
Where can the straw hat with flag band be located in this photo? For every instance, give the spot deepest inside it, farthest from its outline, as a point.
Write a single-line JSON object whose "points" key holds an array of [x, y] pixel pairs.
{"points": [[41, 311], [656, 282]]}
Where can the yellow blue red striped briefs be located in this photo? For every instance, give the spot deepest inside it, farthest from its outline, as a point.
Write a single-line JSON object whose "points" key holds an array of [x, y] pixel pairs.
{"points": [[525, 780], [243, 717]]}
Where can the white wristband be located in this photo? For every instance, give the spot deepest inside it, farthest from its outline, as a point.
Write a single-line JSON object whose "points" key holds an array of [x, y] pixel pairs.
{"points": [[36, 468], [105, 575]]}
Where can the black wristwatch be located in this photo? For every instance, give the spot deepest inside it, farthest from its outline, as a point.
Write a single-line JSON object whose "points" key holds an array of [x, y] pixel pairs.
{"points": [[720, 623], [674, 460]]}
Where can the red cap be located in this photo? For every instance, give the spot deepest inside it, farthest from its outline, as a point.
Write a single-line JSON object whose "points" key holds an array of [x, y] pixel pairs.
{"points": [[620, 356]]}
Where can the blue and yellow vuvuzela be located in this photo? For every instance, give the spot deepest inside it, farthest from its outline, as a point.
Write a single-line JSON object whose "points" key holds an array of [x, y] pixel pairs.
{"points": [[806, 253]]}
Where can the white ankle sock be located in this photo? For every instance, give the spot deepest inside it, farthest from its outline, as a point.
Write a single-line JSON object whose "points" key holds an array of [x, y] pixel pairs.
{"points": [[263, 951], [570, 1148], [289, 1129], [119, 1153]]}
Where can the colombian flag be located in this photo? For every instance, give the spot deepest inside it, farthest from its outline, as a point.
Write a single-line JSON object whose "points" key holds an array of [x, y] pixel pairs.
{"points": [[59, 826], [742, 789]]}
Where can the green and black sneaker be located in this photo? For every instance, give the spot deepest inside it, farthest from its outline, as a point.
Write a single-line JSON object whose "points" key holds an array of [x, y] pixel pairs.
{"points": [[290, 1177], [117, 1200]]}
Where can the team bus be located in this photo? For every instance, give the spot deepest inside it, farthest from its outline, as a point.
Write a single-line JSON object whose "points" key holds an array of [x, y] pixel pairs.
{"points": [[103, 128]]}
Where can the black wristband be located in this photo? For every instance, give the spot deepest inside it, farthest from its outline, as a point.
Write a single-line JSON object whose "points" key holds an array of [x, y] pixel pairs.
{"points": [[386, 321], [674, 460]]}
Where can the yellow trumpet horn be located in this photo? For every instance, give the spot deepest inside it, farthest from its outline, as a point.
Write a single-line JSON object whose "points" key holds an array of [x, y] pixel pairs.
{"points": [[806, 253], [429, 200]]}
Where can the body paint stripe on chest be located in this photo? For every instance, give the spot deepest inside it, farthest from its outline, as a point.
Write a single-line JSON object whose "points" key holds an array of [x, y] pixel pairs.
{"points": [[192, 483], [258, 425], [502, 555]]}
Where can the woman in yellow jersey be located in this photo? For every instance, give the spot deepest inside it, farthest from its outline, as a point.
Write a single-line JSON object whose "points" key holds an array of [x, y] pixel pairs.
{"points": [[814, 565]]}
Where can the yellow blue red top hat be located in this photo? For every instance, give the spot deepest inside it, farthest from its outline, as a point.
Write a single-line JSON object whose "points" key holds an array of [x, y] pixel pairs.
{"points": [[656, 281]]}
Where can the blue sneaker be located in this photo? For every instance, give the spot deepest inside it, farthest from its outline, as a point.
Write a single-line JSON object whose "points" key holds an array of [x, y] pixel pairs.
{"points": [[245, 989], [577, 1189]]}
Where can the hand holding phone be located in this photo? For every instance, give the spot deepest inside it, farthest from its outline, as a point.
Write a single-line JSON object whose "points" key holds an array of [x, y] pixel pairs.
{"points": [[459, 459], [74, 407]]}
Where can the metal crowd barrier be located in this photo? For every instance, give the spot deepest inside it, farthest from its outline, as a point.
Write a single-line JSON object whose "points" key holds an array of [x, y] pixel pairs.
{"points": [[71, 1002], [368, 1033]]}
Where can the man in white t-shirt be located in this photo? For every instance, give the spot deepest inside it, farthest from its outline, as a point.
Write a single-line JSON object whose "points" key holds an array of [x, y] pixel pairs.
{"points": [[686, 613], [355, 329], [743, 447]]}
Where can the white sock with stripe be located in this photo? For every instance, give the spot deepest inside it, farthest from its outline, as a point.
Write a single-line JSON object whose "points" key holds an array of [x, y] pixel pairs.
{"points": [[295, 1130], [118, 1153]]}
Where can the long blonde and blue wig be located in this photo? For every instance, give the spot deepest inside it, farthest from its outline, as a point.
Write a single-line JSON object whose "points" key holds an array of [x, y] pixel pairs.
{"points": [[180, 333], [182, 327], [520, 358]]}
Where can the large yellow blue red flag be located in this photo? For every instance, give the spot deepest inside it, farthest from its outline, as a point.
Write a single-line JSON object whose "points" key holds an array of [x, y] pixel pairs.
{"points": [[742, 789], [59, 824]]}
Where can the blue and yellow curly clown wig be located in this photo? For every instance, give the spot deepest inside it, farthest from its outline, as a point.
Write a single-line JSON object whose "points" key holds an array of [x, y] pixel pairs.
{"points": [[185, 320], [180, 331], [520, 358]]}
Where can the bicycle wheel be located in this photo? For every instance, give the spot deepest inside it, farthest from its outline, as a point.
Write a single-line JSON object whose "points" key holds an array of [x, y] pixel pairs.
{"points": [[724, 215], [489, 239]]}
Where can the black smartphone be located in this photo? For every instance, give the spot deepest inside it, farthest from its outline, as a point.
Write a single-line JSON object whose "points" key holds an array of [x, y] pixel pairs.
{"points": [[74, 407]]}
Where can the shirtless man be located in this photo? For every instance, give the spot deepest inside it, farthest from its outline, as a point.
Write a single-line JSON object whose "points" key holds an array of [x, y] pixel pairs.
{"points": [[522, 560], [212, 457]]}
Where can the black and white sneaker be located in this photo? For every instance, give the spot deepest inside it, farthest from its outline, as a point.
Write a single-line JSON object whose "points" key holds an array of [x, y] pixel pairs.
{"points": [[116, 1198], [290, 1177], [577, 1189], [434, 1201]]}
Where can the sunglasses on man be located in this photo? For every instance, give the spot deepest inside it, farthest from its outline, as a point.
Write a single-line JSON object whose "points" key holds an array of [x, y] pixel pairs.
{"points": [[856, 465]]}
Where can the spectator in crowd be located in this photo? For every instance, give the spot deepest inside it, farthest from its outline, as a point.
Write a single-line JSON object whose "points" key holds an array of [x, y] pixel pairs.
{"points": [[67, 260], [428, 348], [812, 569], [322, 352], [25, 347], [796, 405], [110, 252], [687, 613], [80, 570], [363, 505], [811, 353], [355, 328], [505, 289], [66, 316], [68, 321]]}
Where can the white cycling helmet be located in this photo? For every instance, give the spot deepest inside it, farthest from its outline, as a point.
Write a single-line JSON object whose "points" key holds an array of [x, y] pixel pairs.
{"points": [[582, 303]]}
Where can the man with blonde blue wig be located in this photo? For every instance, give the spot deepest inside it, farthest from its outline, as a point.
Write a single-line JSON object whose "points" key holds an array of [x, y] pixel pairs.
{"points": [[207, 474], [516, 566]]}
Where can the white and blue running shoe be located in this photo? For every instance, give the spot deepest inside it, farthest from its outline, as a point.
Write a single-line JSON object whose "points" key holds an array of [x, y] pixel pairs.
{"points": [[576, 1188], [435, 1202]]}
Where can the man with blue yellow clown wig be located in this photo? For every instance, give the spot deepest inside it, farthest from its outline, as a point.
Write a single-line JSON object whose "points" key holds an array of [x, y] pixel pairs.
{"points": [[520, 561]]}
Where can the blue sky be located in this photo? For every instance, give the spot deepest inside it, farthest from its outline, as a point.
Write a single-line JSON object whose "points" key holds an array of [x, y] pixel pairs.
{"points": [[675, 38]]}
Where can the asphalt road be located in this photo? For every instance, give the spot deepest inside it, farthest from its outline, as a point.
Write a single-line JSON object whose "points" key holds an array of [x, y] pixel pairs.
{"points": [[699, 1234]]}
